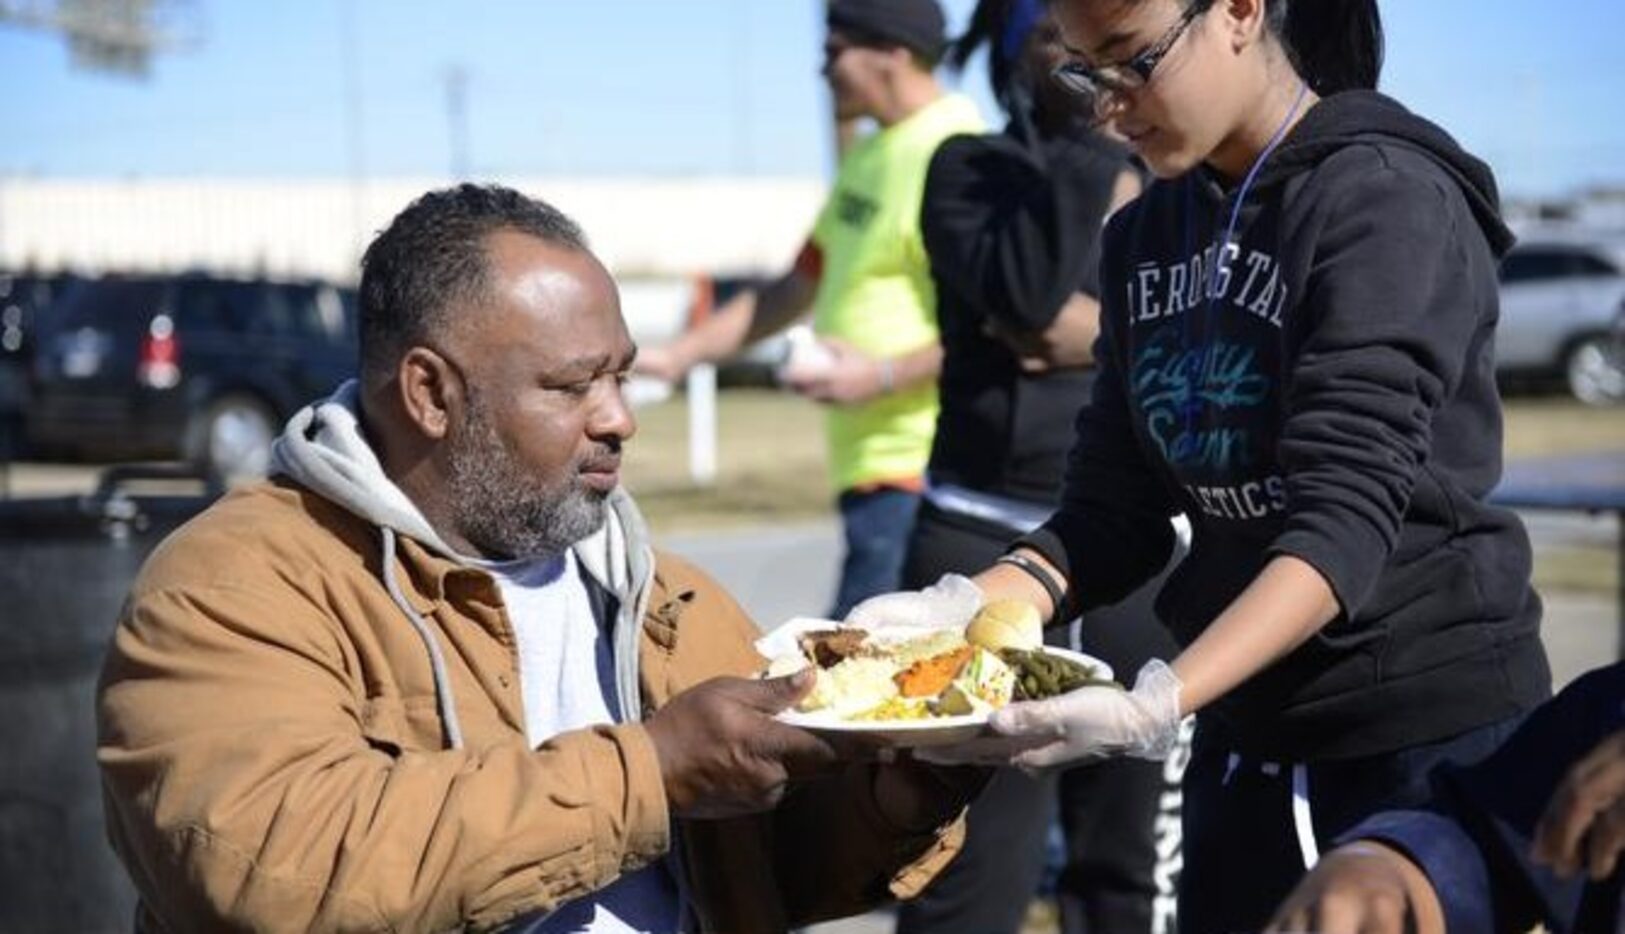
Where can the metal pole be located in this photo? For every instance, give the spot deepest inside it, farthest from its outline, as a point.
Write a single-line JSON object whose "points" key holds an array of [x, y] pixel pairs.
{"points": [[741, 121], [354, 131], [457, 120], [702, 424]]}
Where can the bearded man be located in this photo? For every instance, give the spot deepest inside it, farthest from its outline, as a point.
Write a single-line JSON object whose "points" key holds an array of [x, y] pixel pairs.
{"points": [[432, 675]]}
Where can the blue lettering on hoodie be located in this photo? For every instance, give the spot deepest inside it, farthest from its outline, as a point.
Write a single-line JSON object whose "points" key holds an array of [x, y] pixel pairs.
{"points": [[1206, 403], [1169, 379]]}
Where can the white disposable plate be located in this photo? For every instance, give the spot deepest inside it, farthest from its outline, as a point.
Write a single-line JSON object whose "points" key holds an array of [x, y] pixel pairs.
{"points": [[935, 731]]}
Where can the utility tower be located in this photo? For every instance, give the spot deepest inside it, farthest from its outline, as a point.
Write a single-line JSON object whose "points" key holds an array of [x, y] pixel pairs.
{"points": [[115, 36]]}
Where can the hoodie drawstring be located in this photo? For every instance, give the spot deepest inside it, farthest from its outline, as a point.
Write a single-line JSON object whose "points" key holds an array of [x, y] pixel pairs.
{"points": [[1302, 819], [443, 698]]}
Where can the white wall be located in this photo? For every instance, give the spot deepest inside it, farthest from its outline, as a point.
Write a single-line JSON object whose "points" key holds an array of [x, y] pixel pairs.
{"points": [[640, 228]]}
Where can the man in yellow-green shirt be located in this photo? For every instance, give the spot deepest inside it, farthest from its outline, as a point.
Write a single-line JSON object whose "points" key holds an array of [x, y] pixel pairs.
{"points": [[865, 278]]}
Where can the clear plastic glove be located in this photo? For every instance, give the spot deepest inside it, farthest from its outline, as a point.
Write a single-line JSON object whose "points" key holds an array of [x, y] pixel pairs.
{"points": [[1087, 723], [951, 602]]}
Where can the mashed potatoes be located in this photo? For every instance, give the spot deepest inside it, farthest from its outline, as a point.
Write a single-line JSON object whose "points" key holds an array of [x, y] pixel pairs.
{"points": [[854, 685], [872, 680]]}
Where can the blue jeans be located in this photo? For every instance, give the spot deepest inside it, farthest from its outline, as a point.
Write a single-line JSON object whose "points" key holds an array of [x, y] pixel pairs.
{"points": [[876, 524]]}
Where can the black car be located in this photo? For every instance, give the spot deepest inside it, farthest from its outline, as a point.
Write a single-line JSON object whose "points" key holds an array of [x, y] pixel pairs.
{"points": [[24, 298], [196, 367]]}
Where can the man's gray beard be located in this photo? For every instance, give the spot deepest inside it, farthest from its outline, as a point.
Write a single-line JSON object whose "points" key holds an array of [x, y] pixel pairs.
{"points": [[501, 508]]}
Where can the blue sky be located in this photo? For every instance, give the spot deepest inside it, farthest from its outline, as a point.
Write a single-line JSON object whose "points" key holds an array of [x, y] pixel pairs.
{"points": [[680, 87]]}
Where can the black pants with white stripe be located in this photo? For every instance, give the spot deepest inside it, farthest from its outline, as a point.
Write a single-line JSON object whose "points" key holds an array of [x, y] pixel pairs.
{"points": [[1120, 829], [1253, 827]]}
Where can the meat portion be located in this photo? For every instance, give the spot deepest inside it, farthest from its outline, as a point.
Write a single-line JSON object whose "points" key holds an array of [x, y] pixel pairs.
{"points": [[828, 647]]}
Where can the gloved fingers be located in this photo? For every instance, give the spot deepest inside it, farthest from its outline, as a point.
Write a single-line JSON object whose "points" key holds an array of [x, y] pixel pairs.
{"points": [[1026, 718], [959, 592], [1060, 753], [891, 609], [1056, 716], [950, 602]]}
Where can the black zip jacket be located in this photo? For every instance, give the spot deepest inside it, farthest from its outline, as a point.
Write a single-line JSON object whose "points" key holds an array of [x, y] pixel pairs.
{"points": [[1012, 224], [1323, 387]]}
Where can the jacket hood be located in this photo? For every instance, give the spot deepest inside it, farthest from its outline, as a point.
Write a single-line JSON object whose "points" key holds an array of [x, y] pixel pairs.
{"points": [[1354, 117], [324, 449]]}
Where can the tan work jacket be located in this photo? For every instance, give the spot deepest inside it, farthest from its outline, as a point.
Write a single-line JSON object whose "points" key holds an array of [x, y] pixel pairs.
{"points": [[274, 755]]}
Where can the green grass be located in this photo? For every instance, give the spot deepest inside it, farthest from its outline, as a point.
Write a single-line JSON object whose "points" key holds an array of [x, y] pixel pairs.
{"points": [[1577, 569], [1549, 425], [771, 468], [1545, 425], [770, 463]]}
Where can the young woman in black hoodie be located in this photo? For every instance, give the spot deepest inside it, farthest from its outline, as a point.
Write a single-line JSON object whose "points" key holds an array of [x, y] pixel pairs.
{"points": [[1012, 224], [1296, 349]]}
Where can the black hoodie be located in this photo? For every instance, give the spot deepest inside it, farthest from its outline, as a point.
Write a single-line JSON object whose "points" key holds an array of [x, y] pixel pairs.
{"points": [[1326, 391], [1012, 224]]}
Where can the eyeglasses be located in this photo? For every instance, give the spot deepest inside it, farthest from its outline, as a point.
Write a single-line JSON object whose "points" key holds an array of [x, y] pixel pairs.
{"points": [[1130, 75]]}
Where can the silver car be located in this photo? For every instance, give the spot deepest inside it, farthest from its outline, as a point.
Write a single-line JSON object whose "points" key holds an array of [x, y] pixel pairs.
{"points": [[1560, 296]]}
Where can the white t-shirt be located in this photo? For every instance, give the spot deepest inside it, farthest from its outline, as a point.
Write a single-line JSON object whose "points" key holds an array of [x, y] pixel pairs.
{"points": [[567, 681]]}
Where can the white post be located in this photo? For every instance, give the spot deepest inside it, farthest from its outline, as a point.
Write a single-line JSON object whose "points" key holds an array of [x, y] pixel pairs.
{"points": [[702, 424]]}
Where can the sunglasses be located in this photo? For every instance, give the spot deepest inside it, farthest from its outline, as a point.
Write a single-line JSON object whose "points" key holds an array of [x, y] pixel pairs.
{"points": [[1131, 74]]}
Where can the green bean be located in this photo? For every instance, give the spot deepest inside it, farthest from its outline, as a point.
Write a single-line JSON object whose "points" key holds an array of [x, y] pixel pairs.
{"points": [[1040, 674]]}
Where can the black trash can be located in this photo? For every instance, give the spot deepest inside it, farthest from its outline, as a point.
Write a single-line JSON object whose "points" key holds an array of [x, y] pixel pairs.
{"points": [[66, 564]]}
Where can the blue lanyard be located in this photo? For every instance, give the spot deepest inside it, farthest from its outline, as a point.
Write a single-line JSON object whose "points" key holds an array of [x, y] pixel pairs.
{"points": [[1194, 403]]}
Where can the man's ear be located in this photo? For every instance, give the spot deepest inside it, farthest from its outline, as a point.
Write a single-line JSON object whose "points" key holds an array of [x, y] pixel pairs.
{"points": [[901, 59], [429, 391]]}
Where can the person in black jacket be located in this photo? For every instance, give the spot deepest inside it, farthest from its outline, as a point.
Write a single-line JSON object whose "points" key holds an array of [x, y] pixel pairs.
{"points": [[1011, 223], [1296, 350], [1533, 833]]}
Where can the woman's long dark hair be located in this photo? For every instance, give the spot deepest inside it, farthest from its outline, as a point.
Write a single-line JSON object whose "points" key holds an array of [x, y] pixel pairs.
{"points": [[989, 25], [1336, 45]]}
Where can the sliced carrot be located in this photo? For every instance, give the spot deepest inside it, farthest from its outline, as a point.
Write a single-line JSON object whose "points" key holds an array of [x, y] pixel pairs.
{"points": [[928, 676]]}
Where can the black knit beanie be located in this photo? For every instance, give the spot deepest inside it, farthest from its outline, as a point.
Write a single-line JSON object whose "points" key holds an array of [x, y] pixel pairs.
{"points": [[916, 25]]}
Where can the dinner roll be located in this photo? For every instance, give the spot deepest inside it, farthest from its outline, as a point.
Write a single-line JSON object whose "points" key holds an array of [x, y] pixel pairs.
{"points": [[1006, 624]]}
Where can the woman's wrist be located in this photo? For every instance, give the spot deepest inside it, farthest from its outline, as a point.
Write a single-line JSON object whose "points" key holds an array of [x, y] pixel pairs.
{"points": [[1053, 586], [1003, 580]]}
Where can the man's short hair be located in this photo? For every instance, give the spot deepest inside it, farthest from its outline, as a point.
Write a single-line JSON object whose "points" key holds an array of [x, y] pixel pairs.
{"points": [[433, 257]]}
